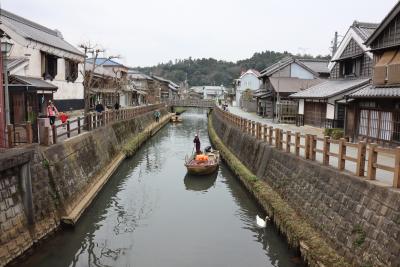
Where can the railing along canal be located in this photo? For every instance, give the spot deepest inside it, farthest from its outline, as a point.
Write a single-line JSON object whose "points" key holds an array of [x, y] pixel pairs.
{"points": [[310, 146], [93, 121]]}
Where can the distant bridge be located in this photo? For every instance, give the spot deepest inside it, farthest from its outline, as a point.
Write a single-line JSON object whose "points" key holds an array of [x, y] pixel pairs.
{"points": [[197, 103]]}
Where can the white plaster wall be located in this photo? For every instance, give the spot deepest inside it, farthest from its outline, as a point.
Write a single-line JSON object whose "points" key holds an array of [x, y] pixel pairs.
{"points": [[299, 72], [34, 68], [60, 69], [249, 81], [301, 107], [69, 90]]}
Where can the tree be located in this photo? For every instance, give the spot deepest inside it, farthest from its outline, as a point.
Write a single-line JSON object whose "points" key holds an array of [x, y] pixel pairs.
{"points": [[94, 50]]}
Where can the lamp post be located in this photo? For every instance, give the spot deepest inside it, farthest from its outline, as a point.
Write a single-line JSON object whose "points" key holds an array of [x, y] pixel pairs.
{"points": [[6, 46]]}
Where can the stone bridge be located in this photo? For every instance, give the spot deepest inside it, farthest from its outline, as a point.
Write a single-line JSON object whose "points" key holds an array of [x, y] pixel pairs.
{"points": [[197, 103]]}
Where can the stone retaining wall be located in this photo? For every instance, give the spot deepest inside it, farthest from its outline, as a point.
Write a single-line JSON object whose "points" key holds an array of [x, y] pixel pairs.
{"points": [[60, 176], [358, 218]]}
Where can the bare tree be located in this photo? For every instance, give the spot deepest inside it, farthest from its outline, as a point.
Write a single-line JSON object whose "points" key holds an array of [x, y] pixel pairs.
{"points": [[94, 50]]}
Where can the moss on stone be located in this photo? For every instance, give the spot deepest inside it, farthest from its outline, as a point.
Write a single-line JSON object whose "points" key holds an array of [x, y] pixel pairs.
{"points": [[299, 233]]}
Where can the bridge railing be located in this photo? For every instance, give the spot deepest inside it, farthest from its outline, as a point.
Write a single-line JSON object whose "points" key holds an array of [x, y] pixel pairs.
{"points": [[361, 159], [92, 121], [201, 103]]}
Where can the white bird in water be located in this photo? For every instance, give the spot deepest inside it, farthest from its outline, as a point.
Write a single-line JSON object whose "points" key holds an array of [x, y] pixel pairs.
{"points": [[260, 222]]}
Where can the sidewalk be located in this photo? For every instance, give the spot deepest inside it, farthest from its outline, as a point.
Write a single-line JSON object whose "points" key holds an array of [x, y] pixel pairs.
{"points": [[382, 176], [286, 127]]}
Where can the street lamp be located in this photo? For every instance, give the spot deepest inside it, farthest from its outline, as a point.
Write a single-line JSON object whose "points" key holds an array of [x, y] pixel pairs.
{"points": [[6, 46]]}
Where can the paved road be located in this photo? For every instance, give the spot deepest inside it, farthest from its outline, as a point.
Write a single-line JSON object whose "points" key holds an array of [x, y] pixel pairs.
{"points": [[381, 176]]}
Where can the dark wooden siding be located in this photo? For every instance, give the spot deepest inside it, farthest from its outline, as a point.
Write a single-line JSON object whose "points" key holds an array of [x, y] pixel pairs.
{"points": [[366, 68], [314, 113], [335, 72], [352, 49], [389, 36]]}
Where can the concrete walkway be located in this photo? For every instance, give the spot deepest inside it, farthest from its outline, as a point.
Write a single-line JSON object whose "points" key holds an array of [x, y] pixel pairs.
{"points": [[384, 177]]}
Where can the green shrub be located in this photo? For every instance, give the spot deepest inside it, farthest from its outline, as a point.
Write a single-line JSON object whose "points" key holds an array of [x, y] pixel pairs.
{"points": [[337, 134], [328, 131]]}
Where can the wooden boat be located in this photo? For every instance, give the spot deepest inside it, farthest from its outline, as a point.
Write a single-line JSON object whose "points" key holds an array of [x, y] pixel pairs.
{"points": [[176, 118], [203, 167]]}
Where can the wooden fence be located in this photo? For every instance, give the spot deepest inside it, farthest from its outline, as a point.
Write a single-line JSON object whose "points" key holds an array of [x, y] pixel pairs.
{"points": [[305, 145], [19, 133], [93, 121]]}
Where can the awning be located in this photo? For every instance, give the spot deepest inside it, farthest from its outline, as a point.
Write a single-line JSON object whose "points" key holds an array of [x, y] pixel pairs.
{"points": [[37, 83]]}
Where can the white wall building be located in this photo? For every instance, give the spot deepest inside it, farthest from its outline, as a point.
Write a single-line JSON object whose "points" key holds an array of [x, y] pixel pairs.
{"points": [[44, 57], [247, 81], [213, 92]]}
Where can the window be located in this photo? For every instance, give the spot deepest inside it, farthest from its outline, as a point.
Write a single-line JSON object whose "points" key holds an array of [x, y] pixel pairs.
{"points": [[71, 70], [350, 68], [49, 66]]}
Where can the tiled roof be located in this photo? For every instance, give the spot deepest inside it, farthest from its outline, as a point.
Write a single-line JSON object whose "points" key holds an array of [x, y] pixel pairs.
{"points": [[104, 62], [385, 22], [330, 88], [36, 32], [15, 62], [276, 66], [250, 71], [372, 91], [134, 74], [283, 63], [364, 29], [292, 85], [317, 65], [35, 82]]}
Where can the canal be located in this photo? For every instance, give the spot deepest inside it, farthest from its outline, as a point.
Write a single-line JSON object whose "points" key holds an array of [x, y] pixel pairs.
{"points": [[152, 214]]}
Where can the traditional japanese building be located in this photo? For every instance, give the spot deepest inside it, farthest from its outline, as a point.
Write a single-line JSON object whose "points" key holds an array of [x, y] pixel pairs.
{"points": [[110, 83], [377, 106], [42, 66], [285, 77], [325, 104]]}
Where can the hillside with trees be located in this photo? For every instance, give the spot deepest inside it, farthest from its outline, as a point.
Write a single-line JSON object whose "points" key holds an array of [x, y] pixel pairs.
{"points": [[209, 71]]}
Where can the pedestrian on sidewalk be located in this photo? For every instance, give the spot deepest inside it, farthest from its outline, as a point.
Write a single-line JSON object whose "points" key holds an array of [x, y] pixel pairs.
{"points": [[99, 107], [52, 112], [157, 115]]}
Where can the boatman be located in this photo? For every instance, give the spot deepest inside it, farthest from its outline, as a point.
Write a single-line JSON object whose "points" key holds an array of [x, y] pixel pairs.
{"points": [[196, 141]]}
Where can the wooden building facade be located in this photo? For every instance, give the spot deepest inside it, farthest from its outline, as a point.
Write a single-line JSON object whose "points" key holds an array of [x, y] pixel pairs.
{"points": [[325, 105], [377, 106]]}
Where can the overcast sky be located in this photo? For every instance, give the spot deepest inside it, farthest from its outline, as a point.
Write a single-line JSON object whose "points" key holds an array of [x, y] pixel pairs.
{"points": [[148, 32]]}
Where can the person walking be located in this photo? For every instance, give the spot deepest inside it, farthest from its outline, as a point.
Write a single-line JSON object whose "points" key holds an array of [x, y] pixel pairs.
{"points": [[99, 107], [52, 112], [196, 141], [157, 115]]}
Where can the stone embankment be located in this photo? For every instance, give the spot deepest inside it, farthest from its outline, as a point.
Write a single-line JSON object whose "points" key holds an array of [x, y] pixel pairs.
{"points": [[40, 187], [334, 218]]}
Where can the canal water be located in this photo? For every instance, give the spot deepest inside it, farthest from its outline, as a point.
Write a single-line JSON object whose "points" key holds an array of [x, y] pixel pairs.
{"points": [[152, 214]]}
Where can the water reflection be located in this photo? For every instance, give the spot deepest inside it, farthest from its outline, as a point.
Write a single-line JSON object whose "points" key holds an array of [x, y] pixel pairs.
{"points": [[200, 183], [146, 215]]}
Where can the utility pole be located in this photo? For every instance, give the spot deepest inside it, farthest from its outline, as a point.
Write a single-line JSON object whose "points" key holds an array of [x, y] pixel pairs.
{"points": [[335, 43]]}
